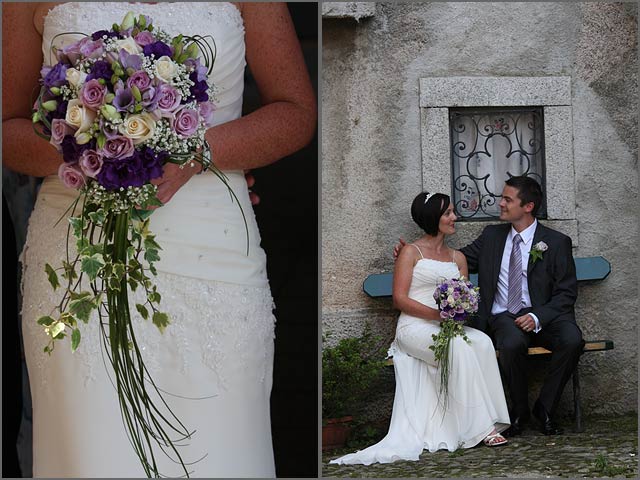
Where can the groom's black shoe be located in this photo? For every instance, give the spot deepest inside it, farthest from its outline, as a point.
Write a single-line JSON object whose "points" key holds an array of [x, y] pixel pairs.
{"points": [[517, 426], [547, 426]]}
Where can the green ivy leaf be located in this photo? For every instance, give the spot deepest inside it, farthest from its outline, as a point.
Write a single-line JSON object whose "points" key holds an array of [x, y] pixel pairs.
{"points": [[92, 265], [53, 276], [56, 329], [154, 297], [118, 270], [151, 255], [160, 320], [77, 223], [69, 271], [75, 339], [82, 307], [46, 321], [142, 311], [83, 245], [115, 284], [98, 216]]}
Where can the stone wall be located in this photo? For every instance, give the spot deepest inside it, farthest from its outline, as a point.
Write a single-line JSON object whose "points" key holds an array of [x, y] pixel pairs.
{"points": [[372, 166]]}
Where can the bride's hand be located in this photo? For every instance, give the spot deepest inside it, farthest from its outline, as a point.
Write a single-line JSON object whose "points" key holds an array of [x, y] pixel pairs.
{"points": [[251, 181], [173, 179]]}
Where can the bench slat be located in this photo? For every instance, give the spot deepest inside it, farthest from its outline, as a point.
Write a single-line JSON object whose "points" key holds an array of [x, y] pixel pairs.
{"points": [[587, 268], [591, 346]]}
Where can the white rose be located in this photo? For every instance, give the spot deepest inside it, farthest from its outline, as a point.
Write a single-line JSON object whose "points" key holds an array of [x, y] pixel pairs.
{"points": [[166, 69], [79, 117], [129, 45], [75, 77], [138, 127]]}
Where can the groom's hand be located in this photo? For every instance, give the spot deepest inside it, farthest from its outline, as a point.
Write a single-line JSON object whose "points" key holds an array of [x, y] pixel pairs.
{"points": [[526, 323], [399, 246]]}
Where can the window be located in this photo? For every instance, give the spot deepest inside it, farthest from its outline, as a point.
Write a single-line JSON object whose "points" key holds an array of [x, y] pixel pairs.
{"points": [[488, 146]]}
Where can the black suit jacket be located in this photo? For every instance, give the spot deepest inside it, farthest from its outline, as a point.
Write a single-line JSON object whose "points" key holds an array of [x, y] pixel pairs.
{"points": [[553, 287]]}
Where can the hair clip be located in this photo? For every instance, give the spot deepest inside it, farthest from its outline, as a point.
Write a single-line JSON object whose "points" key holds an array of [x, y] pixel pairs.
{"points": [[429, 195]]}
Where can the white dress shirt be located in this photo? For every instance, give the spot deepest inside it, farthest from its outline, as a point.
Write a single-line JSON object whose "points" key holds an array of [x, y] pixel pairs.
{"points": [[502, 292]]}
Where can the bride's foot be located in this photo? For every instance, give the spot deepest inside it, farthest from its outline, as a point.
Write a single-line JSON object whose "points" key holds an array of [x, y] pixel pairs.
{"points": [[494, 439]]}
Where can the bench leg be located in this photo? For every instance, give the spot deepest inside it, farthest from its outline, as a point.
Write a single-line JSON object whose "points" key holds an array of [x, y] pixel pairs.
{"points": [[577, 409]]}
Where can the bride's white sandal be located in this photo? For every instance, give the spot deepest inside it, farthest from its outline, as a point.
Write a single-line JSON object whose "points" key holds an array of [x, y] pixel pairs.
{"points": [[494, 440]]}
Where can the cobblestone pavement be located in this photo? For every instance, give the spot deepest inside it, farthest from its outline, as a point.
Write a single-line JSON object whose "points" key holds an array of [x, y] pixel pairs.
{"points": [[607, 448]]}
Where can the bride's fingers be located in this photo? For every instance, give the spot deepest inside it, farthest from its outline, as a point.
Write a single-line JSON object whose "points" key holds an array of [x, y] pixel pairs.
{"points": [[255, 199]]}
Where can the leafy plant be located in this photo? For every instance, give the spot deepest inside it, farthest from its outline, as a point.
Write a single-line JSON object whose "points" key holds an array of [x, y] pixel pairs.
{"points": [[348, 371]]}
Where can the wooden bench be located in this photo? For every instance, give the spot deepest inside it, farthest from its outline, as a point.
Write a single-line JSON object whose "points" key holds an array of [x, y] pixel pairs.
{"points": [[587, 269]]}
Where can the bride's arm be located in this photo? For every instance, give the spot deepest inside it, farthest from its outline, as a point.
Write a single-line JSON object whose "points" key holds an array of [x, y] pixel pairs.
{"points": [[22, 150], [402, 274], [286, 121]]}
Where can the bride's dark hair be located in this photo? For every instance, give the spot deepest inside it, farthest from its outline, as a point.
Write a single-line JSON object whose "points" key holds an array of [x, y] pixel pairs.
{"points": [[427, 209]]}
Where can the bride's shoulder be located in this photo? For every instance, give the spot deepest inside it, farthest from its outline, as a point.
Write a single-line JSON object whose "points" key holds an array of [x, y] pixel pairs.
{"points": [[40, 11]]}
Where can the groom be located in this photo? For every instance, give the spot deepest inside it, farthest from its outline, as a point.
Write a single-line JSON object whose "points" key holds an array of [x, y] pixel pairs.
{"points": [[528, 289]]}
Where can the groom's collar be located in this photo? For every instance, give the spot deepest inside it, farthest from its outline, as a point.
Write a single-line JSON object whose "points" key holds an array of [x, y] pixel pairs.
{"points": [[526, 235]]}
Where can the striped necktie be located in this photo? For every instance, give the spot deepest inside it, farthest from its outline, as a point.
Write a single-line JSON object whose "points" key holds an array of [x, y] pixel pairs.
{"points": [[514, 298]]}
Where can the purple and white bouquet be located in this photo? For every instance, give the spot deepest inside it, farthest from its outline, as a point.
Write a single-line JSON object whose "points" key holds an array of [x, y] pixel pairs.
{"points": [[457, 299], [118, 105]]}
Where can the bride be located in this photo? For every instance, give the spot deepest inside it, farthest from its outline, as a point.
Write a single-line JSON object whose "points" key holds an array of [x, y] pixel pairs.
{"points": [[477, 410], [215, 360]]}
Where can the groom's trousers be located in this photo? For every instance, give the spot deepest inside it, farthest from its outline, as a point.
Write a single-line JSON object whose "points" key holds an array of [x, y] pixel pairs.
{"points": [[562, 336]]}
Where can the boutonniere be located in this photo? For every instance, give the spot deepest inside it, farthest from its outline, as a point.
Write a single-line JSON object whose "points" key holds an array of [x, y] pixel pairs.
{"points": [[536, 252]]}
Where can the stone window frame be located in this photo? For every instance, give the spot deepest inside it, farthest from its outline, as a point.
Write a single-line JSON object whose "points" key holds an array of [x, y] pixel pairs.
{"points": [[553, 94]]}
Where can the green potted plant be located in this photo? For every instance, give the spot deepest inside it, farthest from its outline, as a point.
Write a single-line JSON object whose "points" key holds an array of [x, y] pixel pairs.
{"points": [[349, 368]]}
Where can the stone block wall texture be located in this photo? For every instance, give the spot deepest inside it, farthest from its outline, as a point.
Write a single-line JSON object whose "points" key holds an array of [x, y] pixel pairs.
{"points": [[372, 155]]}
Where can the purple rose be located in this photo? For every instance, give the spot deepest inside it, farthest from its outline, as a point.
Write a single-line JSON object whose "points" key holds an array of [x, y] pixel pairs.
{"points": [[199, 89], [71, 175], [118, 147], [90, 48], [199, 69], [59, 130], [101, 33], [56, 77], [159, 49], [90, 163], [123, 100], [185, 122], [100, 69], [71, 151], [168, 98], [145, 38], [92, 94], [140, 79], [150, 101], [152, 162], [206, 112]]}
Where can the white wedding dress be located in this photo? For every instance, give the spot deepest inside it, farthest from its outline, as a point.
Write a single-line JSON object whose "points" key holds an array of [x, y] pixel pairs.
{"points": [[476, 399], [215, 359]]}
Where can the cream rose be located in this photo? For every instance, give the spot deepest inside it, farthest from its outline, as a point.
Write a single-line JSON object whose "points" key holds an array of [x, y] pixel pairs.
{"points": [[129, 45], [138, 127], [75, 77], [79, 117], [166, 69]]}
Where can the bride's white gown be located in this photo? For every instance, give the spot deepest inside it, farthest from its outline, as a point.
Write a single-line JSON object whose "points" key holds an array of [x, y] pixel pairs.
{"points": [[220, 342], [476, 398]]}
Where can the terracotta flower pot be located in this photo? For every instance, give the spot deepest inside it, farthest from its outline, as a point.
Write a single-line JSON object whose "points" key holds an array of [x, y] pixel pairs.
{"points": [[335, 432]]}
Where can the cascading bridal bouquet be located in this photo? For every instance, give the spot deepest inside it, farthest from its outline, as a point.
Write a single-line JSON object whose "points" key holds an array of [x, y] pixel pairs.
{"points": [[457, 299], [119, 104]]}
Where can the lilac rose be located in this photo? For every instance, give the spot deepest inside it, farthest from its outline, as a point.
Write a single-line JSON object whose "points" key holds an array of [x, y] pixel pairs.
{"points": [[92, 94], [185, 122], [140, 79], [90, 163], [117, 147], [145, 38], [199, 69], [168, 98], [71, 175], [59, 130]]}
